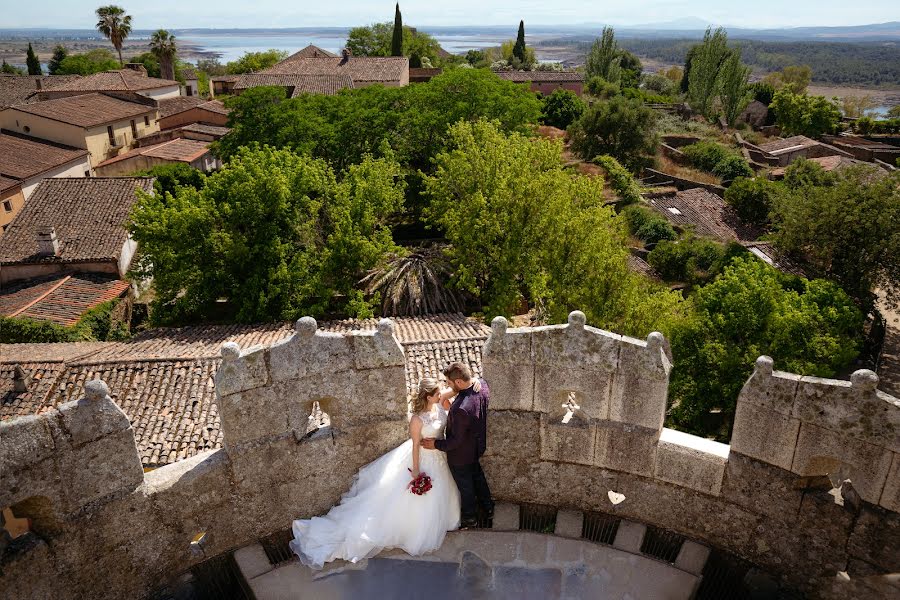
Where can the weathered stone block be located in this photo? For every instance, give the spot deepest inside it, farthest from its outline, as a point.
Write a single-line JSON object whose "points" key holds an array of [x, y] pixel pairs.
{"points": [[591, 386], [853, 409], [824, 452], [575, 344], [629, 536], [96, 469], [875, 538], [512, 384], [623, 447], [378, 349], [508, 345], [513, 434], [252, 561], [890, 497], [692, 557], [764, 434], [760, 487], [585, 486], [310, 352], [24, 441], [91, 418], [640, 385], [38, 479], [565, 552], [569, 523], [769, 389], [567, 442], [241, 371], [506, 516], [693, 462], [252, 414], [202, 481]]}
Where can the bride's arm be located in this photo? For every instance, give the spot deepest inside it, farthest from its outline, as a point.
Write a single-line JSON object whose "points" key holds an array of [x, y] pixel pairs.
{"points": [[415, 434], [446, 394]]}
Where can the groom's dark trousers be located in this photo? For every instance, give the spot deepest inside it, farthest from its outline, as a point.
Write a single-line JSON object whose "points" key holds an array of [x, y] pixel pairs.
{"points": [[466, 441]]}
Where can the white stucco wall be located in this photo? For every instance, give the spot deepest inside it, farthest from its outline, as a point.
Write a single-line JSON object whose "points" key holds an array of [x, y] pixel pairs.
{"points": [[173, 91], [75, 168]]}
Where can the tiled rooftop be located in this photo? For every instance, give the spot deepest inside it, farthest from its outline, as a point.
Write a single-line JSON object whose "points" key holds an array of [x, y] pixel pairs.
{"points": [[7, 183], [24, 157], [361, 69], [178, 104], [62, 299], [328, 85], [18, 89], [828, 163], [702, 212], [207, 129], [314, 52], [770, 255], [88, 214], [163, 379], [177, 150], [793, 142], [86, 110], [541, 76], [120, 80]]}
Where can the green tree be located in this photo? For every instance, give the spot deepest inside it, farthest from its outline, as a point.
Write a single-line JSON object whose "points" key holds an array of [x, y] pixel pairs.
{"points": [[733, 78], [10, 70], [804, 115], [113, 23], [59, 54], [703, 74], [561, 108], [752, 198], [519, 48], [397, 37], [273, 232], [894, 112], [848, 228], [604, 57], [150, 62], [522, 228], [163, 47], [88, 63], [254, 62], [630, 69], [794, 79], [169, 177], [377, 40], [620, 127], [622, 182], [31, 60], [686, 73], [808, 327]]}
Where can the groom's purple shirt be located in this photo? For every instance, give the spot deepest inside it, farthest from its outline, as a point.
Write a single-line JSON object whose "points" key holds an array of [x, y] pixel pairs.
{"points": [[467, 427]]}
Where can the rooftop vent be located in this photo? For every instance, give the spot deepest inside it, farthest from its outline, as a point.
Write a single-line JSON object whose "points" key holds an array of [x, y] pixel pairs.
{"points": [[21, 380], [48, 244], [346, 53]]}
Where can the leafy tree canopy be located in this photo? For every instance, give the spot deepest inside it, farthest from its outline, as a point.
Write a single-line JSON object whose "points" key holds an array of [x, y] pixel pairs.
{"points": [[561, 108], [377, 40], [274, 233], [59, 54], [620, 127], [254, 62], [170, 177], [522, 228], [804, 115], [88, 63]]}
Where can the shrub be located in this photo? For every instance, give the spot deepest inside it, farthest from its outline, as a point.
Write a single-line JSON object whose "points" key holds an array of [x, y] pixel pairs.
{"points": [[601, 88], [620, 179], [717, 159], [752, 198], [864, 125], [561, 108], [762, 92], [656, 230], [635, 217], [97, 324], [732, 167], [622, 128], [689, 260]]}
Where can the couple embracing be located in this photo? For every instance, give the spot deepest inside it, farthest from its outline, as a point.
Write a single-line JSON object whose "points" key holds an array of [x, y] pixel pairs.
{"points": [[410, 497]]}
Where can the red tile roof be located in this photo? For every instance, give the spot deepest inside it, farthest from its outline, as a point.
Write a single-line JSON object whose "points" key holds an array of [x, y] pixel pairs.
{"points": [[19, 89], [62, 299], [361, 69], [88, 214], [328, 85], [702, 212], [7, 183], [315, 52], [178, 104], [121, 80], [86, 110], [25, 157], [790, 143], [541, 76], [177, 150]]}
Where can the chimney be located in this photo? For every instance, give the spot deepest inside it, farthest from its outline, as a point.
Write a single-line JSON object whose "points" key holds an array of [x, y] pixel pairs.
{"points": [[21, 380], [346, 54], [138, 67], [39, 83], [48, 245]]}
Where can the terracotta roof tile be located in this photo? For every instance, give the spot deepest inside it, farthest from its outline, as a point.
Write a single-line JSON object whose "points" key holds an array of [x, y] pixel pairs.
{"points": [[315, 52], [769, 254], [62, 299], [177, 150], [18, 89], [362, 69], [24, 157], [541, 76], [702, 212], [207, 129], [636, 264], [88, 214], [328, 85], [86, 110], [50, 352], [44, 376], [121, 80], [178, 104], [794, 142], [7, 183]]}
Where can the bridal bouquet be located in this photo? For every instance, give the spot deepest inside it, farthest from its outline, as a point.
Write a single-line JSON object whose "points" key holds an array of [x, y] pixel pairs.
{"points": [[420, 485]]}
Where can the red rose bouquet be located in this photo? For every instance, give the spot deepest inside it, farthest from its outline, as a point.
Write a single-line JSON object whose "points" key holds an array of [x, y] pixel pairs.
{"points": [[420, 485]]}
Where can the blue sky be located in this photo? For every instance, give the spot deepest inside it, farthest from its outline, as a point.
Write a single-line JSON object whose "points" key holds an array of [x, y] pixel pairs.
{"points": [[152, 14]]}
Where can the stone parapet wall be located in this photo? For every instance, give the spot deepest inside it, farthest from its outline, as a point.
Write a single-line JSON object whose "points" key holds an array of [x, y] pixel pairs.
{"points": [[576, 423]]}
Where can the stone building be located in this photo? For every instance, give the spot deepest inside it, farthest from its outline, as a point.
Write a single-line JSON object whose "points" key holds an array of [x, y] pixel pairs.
{"points": [[102, 124], [128, 80], [194, 153], [390, 71], [546, 81], [185, 110]]}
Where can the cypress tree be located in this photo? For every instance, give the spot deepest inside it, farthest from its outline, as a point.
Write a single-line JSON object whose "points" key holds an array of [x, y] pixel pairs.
{"points": [[31, 59], [397, 41], [519, 48], [59, 54]]}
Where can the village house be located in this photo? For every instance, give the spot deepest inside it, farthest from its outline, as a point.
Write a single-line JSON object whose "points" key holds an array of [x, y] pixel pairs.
{"points": [[546, 81], [101, 124], [701, 212], [191, 85], [865, 149], [184, 110], [828, 164], [26, 161], [294, 85], [72, 225], [133, 79], [784, 151], [390, 71], [193, 153], [222, 85], [19, 89]]}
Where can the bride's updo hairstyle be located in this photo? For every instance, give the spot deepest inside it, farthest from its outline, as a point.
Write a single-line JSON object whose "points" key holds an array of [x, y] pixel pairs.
{"points": [[427, 387]]}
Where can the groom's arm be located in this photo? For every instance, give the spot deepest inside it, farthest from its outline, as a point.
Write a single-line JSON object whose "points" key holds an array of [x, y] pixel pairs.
{"points": [[458, 433]]}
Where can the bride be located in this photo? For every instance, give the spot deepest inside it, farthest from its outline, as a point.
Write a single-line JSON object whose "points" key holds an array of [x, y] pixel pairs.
{"points": [[380, 511]]}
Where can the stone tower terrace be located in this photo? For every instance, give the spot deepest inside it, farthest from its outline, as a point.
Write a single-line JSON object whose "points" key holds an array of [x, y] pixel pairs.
{"points": [[809, 487]]}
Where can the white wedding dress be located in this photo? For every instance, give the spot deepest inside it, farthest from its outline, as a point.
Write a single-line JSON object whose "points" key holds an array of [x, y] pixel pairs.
{"points": [[380, 512]]}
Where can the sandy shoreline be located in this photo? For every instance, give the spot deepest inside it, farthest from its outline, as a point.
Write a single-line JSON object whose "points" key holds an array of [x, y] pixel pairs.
{"points": [[13, 51]]}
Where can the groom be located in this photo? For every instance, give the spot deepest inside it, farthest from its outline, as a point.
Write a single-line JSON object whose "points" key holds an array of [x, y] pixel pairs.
{"points": [[466, 441]]}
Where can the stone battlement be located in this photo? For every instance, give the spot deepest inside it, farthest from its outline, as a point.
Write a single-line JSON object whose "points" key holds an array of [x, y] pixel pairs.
{"points": [[576, 422]]}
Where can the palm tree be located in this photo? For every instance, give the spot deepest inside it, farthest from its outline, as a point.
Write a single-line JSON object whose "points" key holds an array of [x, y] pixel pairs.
{"points": [[115, 25], [414, 285], [162, 45]]}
